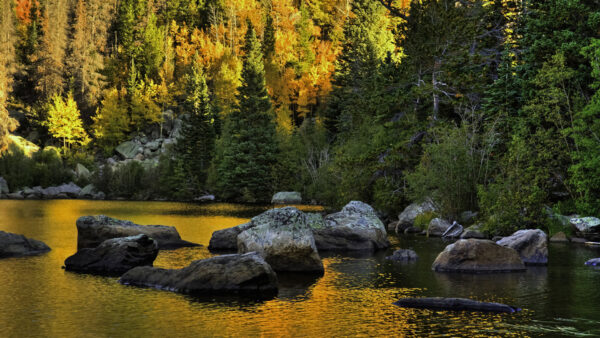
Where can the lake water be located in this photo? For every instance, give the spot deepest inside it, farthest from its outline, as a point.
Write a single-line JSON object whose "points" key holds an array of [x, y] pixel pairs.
{"points": [[353, 298]]}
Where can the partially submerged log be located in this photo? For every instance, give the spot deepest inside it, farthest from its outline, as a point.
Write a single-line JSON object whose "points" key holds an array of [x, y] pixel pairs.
{"points": [[455, 304]]}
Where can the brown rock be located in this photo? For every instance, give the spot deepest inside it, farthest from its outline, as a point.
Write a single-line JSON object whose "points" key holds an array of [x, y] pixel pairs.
{"points": [[478, 256]]}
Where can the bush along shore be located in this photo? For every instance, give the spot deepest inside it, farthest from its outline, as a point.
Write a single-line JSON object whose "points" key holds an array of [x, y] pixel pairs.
{"points": [[251, 256]]}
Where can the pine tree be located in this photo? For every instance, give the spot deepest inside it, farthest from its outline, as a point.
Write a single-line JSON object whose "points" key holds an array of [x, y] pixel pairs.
{"points": [[196, 143], [7, 58], [248, 145], [269, 38]]}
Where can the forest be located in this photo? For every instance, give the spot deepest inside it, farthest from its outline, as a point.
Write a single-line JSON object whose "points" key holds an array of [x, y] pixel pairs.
{"points": [[478, 105]]}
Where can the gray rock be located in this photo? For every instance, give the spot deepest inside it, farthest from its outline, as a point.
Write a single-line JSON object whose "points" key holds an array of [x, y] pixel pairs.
{"points": [[93, 230], [226, 239], [99, 196], [62, 191], [16, 195], [148, 153], [4, 187], [593, 262], [127, 150], [82, 172], [153, 146], [410, 213], [114, 256], [287, 197], [392, 226], [177, 124], [413, 230], [167, 145], [474, 231], [87, 191], [578, 240], [454, 231], [559, 237], [587, 227], [455, 304], [437, 227], [245, 275], [478, 256], [403, 255], [205, 198], [283, 237], [355, 228], [532, 245], [13, 245]]}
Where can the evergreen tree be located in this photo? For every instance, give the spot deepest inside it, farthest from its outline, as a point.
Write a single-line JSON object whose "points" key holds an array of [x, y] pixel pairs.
{"points": [[196, 143], [7, 58], [269, 38], [248, 144]]}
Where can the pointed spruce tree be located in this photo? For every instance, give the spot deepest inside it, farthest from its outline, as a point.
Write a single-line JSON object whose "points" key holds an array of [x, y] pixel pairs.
{"points": [[196, 143], [248, 143]]}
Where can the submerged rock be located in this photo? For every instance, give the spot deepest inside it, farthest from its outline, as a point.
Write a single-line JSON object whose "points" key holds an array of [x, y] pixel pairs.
{"points": [[356, 228], [236, 274], [403, 255], [287, 197], [478, 256], [114, 256], [93, 230], [455, 304], [532, 245], [437, 227], [411, 212], [13, 245], [226, 239], [282, 236]]}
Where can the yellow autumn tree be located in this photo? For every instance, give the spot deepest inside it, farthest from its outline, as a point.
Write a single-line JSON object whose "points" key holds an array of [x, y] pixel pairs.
{"points": [[111, 123], [64, 122]]}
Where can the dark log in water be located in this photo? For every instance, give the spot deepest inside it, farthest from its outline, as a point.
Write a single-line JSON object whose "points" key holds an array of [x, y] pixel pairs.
{"points": [[455, 304]]}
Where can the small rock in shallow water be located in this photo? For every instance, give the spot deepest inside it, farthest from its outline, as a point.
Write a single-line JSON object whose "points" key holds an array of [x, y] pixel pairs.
{"points": [[403, 255], [13, 245], [455, 304]]}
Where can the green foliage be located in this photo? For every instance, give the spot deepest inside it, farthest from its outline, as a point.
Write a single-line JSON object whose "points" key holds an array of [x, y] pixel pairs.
{"points": [[249, 144], [422, 220], [111, 123], [49, 169], [16, 168], [64, 122], [44, 168], [126, 179]]}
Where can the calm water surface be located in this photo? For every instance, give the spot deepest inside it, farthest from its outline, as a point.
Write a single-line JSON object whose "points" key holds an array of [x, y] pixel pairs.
{"points": [[353, 298]]}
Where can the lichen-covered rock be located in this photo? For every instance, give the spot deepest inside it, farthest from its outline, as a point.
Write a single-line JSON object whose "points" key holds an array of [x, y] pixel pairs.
{"points": [[236, 274], [532, 245], [410, 213], [477, 256], [226, 239], [474, 231], [356, 228], [93, 230], [587, 227], [403, 255], [282, 236], [287, 197], [114, 256], [437, 227], [13, 245]]}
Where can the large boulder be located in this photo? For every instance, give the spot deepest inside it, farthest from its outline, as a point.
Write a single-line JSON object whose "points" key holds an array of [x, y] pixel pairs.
{"points": [[82, 172], [4, 190], [437, 227], [226, 239], [532, 245], [474, 231], [477, 256], [93, 230], [411, 212], [114, 256], [236, 274], [13, 245], [356, 228], [128, 150], [287, 197], [587, 227], [282, 236]]}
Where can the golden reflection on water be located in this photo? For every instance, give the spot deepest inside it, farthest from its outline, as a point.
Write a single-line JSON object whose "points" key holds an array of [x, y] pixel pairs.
{"points": [[353, 298]]}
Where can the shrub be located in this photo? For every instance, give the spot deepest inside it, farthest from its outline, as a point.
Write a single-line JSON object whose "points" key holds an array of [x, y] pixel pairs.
{"points": [[16, 168], [422, 221], [49, 169], [126, 179]]}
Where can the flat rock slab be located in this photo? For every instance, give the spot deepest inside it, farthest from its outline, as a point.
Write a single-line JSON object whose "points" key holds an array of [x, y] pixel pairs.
{"points": [[478, 256], [93, 230], [455, 304], [114, 256], [227, 275], [13, 245]]}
